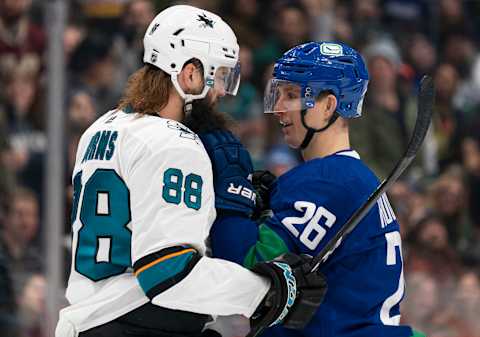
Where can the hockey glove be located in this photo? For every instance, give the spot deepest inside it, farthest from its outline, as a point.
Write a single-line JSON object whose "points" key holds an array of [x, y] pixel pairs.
{"points": [[294, 295], [262, 182], [232, 171]]}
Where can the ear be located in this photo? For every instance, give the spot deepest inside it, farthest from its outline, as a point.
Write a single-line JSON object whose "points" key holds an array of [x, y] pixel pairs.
{"points": [[185, 78], [330, 105], [190, 79]]}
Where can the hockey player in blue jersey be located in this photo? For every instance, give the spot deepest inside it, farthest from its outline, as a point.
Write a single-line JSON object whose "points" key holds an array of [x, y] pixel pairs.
{"points": [[317, 88]]}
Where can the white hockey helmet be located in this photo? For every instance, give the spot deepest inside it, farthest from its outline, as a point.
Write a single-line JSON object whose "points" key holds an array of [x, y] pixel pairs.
{"points": [[180, 33]]}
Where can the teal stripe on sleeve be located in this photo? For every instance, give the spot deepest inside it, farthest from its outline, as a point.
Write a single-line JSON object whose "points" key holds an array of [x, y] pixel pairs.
{"points": [[162, 271]]}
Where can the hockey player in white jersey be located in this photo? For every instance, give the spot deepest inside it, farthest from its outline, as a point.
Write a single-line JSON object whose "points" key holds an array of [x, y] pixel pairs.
{"points": [[144, 203]]}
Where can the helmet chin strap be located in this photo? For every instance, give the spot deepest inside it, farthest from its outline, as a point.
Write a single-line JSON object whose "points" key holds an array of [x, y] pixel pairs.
{"points": [[188, 98], [312, 131]]}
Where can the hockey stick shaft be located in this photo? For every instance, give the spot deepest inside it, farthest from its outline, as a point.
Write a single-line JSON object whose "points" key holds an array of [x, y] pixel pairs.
{"points": [[426, 99]]}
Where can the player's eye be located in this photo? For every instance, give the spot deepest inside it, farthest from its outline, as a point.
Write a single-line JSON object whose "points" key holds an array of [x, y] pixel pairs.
{"points": [[291, 95]]}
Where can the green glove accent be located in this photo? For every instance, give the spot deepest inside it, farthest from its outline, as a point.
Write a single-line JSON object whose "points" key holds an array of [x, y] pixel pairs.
{"points": [[418, 334], [269, 246]]}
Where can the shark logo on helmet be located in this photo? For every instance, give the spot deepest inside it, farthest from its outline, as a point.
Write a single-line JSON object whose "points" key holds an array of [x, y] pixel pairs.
{"points": [[154, 28], [206, 22]]}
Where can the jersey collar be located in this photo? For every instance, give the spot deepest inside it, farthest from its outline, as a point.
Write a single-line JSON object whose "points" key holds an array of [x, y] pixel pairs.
{"points": [[348, 153]]}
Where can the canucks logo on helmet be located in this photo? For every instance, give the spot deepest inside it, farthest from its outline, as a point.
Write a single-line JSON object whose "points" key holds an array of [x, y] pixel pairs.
{"points": [[331, 49]]}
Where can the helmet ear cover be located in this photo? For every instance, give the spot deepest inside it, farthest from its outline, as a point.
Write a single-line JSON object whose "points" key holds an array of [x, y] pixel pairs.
{"points": [[311, 131], [312, 95]]}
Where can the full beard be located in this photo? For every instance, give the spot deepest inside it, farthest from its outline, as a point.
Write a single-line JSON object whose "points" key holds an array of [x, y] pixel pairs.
{"points": [[204, 117]]}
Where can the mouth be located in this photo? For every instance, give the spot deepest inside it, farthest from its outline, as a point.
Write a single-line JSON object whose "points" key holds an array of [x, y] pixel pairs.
{"points": [[285, 124]]}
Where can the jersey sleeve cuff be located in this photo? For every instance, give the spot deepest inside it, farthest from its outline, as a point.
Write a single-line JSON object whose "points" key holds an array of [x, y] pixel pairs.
{"points": [[163, 269]]}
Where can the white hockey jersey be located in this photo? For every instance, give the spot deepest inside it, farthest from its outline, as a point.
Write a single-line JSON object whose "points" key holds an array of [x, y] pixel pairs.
{"points": [[142, 210]]}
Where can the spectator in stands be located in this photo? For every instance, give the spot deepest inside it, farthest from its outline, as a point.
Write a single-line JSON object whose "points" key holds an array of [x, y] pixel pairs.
{"points": [[81, 111], [73, 35], [422, 299], [409, 203], [21, 96], [467, 299], [366, 21], [128, 46], [93, 71], [381, 137], [247, 23], [453, 19], [404, 18], [31, 305], [460, 50], [291, 28], [421, 55], [322, 19], [26, 139], [19, 236], [20, 39], [467, 99], [448, 199], [471, 164], [19, 259], [448, 125], [342, 28], [8, 308], [430, 251]]}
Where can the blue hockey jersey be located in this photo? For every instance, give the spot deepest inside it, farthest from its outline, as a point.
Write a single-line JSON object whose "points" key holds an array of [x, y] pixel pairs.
{"points": [[364, 273]]}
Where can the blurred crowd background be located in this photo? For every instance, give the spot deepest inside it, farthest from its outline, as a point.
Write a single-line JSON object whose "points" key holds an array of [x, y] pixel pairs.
{"points": [[437, 201]]}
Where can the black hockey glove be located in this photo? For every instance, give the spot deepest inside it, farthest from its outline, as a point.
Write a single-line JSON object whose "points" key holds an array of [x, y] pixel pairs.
{"points": [[294, 295], [262, 181]]}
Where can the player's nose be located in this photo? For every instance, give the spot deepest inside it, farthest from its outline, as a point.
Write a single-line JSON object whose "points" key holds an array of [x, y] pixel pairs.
{"points": [[279, 105], [221, 92], [279, 113]]}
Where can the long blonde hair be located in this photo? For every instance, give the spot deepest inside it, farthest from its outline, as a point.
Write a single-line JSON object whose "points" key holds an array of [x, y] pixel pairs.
{"points": [[147, 91]]}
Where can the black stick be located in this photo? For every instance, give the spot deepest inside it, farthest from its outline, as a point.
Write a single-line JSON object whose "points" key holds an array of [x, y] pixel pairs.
{"points": [[426, 99]]}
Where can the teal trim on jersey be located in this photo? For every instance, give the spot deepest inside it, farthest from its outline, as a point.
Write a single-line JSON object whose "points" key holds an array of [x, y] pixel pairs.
{"points": [[162, 271], [269, 245], [128, 109], [418, 334]]}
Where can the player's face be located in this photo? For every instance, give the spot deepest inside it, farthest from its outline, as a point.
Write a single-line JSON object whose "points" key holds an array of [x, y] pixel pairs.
{"points": [[218, 90], [287, 109], [226, 81]]}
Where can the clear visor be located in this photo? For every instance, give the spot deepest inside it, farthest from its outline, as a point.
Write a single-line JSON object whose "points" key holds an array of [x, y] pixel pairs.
{"points": [[283, 96], [227, 79]]}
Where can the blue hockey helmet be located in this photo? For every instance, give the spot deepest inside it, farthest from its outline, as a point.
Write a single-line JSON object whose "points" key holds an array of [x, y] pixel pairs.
{"points": [[315, 67]]}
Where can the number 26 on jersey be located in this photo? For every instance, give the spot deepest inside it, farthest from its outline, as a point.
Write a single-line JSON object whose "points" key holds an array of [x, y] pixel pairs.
{"points": [[314, 231]]}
